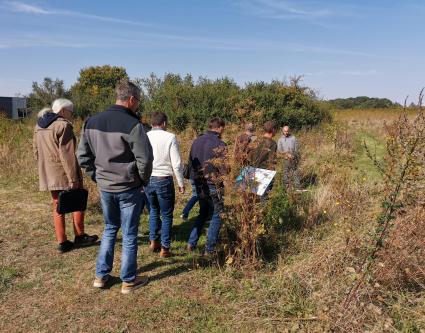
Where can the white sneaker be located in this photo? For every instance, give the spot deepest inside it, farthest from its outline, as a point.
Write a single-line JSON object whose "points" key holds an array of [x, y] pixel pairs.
{"points": [[101, 282]]}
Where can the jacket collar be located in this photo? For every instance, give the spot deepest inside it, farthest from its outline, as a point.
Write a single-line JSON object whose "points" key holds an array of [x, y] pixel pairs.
{"points": [[213, 133], [123, 109]]}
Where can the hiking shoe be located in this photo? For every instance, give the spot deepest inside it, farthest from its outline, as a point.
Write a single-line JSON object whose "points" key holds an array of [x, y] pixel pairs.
{"points": [[165, 252], [65, 246], [129, 287], [154, 246], [101, 282], [85, 240], [184, 218]]}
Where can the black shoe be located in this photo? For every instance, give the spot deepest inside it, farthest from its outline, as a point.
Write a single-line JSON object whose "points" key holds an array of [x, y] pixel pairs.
{"points": [[85, 240], [65, 246]]}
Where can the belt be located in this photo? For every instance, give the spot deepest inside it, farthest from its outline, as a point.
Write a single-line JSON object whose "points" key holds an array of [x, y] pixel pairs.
{"points": [[161, 177]]}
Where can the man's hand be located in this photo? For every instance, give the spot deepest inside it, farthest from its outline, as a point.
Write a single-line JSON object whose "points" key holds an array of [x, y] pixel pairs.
{"points": [[75, 185], [181, 190]]}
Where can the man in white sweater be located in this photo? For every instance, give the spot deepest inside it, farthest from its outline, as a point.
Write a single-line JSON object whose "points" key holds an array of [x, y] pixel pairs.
{"points": [[160, 190]]}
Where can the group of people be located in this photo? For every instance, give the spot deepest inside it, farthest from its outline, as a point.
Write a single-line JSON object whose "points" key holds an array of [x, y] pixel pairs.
{"points": [[131, 165]]}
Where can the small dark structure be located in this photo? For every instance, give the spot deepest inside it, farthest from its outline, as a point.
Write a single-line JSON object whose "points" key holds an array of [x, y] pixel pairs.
{"points": [[14, 107]]}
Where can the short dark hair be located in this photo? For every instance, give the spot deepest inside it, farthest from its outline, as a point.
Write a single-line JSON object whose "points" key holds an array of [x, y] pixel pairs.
{"points": [[269, 126], [158, 118], [125, 89], [216, 123]]}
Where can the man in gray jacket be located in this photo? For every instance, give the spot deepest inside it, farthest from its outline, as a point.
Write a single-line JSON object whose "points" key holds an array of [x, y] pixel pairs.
{"points": [[115, 152], [288, 145]]}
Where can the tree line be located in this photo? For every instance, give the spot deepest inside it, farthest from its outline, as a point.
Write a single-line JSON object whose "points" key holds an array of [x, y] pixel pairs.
{"points": [[363, 102], [189, 102]]}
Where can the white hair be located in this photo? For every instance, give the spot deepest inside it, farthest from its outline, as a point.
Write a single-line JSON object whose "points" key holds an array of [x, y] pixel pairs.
{"points": [[62, 103], [43, 112]]}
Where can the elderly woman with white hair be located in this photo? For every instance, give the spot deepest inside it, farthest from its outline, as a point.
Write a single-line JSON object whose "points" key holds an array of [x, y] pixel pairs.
{"points": [[54, 145]]}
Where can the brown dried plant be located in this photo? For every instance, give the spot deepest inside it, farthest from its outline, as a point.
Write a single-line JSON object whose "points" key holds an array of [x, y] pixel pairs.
{"points": [[403, 171]]}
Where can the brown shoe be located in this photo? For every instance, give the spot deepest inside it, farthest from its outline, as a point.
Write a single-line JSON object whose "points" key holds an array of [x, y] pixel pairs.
{"points": [[129, 287], [154, 246], [165, 252]]}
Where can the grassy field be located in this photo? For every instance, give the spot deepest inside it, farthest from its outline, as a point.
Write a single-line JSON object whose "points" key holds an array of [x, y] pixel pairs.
{"points": [[302, 290]]}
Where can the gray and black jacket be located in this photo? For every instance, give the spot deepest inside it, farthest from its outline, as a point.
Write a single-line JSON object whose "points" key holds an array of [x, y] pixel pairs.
{"points": [[115, 151]]}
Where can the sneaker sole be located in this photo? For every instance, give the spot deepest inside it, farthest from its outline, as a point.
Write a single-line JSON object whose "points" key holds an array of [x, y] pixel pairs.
{"points": [[129, 291]]}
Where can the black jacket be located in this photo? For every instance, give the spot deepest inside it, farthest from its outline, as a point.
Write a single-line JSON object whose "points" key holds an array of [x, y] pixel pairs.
{"points": [[115, 150], [207, 157]]}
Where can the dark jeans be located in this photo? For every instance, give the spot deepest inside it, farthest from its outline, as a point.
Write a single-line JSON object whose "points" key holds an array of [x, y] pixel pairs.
{"points": [[120, 210], [192, 201], [145, 202], [211, 206], [161, 197]]}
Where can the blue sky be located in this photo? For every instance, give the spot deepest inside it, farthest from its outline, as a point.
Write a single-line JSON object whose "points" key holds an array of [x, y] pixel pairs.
{"points": [[342, 47]]}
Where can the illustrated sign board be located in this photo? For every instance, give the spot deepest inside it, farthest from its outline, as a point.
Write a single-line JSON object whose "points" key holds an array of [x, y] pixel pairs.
{"points": [[255, 179]]}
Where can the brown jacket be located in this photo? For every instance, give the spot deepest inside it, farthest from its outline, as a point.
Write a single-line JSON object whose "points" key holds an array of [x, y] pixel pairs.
{"points": [[54, 150]]}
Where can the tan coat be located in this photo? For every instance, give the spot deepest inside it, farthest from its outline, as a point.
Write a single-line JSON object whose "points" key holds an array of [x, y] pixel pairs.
{"points": [[54, 150]]}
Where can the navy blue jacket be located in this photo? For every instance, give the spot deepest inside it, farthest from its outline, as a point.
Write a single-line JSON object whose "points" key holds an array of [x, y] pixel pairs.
{"points": [[205, 149]]}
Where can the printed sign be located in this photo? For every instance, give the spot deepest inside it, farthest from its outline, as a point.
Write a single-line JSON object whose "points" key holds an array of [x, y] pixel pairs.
{"points": [[255, 179]]}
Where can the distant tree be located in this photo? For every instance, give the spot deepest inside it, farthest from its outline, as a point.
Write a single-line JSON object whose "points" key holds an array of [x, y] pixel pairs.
{"points": [[44, 93], [292, 104], [94, 90], [362, 102]]}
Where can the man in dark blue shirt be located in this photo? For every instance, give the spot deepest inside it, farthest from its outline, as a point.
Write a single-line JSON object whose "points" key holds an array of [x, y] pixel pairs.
{"points": [[207, 159]]}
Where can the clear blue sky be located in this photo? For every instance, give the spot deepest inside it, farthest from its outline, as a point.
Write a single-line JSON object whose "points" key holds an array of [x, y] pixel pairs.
{"points": [[342, 47]]}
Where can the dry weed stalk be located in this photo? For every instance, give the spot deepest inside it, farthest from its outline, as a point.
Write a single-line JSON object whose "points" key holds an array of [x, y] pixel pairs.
{"points": [[403, 171]]}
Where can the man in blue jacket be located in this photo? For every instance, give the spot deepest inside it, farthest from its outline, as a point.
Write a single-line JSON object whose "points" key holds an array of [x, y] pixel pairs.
{"points": [[207, 159], [115, 152]]}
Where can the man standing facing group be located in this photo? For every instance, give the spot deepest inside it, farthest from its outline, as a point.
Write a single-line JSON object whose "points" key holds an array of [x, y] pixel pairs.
{"points": [[288, 145]]}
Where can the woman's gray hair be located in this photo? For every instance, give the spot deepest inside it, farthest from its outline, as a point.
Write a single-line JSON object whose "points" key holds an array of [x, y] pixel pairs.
{"points": [[62, 103], [125, 89], [43, 112]]}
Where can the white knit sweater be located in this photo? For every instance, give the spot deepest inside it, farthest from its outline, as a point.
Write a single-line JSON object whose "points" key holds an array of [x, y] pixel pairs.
{"points": [[166, 155]]}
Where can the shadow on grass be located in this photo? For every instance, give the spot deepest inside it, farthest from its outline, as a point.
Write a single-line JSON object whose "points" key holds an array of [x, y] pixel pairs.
{"points": [[310, 179], [182, 231]]}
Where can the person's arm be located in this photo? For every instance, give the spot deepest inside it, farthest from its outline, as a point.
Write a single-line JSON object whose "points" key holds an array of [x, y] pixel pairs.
{"points": [[221, 153], [85, 156], [67, 156], [272, 155], [280, 146], [142, 150], [176, 162]]}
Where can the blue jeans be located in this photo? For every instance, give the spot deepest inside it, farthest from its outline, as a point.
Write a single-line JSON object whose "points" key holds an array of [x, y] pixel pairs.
{"points": [[145, 202], [161, 197], [192, 201], [210, 207], [120, 210]]}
